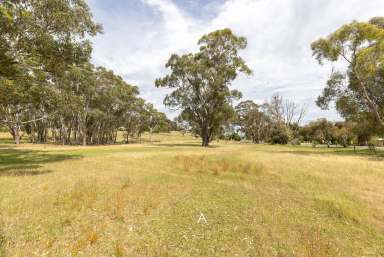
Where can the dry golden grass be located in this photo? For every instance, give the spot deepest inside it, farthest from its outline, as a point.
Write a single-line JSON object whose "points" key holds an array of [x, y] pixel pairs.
{"points": [[145, 200]]}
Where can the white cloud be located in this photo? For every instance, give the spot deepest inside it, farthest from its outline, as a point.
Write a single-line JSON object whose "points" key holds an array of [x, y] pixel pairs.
{"points": [[279, 34]]}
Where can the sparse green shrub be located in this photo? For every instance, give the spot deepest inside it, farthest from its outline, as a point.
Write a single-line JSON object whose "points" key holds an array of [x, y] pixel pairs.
{"points": [[295, 141]]}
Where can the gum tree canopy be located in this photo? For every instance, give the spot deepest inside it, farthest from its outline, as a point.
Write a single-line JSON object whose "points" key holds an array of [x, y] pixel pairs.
{"points": [[38, 41], [49, 90], [201, 81], [358, 90]]}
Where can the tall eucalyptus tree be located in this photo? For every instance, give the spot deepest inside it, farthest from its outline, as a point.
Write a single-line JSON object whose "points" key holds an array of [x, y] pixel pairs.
{"points": [[201, 82]]}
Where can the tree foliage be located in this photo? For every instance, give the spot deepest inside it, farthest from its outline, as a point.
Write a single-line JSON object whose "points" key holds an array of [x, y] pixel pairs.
{"points": [[360, 88], [252, 120], [48, 85], [201, 82]]}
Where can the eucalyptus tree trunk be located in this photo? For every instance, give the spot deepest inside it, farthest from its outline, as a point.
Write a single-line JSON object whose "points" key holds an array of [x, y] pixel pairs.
{"points": [[114, 136], [150, 134], [84, 138], [205, 142], [84, 123], [205, 136], [127, 137], [17, 138], [63, 131], [15, 131], [14, 128]]}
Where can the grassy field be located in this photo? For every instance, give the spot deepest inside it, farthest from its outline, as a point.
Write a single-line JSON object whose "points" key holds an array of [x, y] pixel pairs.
{"points": [[146, 200]]}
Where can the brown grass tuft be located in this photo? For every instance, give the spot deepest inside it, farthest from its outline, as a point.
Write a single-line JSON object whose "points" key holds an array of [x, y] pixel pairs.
{"points": [[118, 203], [119, 250]]}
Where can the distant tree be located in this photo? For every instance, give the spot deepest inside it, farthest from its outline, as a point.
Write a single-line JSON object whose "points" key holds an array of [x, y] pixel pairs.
{"points": [[201, 82], [253, 121], [321, 131], [293, 114], [276, 121], [157, 121], [285, 117], [275, 110], [343, 133], [360, 88], [279, 135], [305, 133]]}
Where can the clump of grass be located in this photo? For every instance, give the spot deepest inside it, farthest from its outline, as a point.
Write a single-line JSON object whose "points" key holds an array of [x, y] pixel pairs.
{"points": [[148, 207], [248, 167], [82, 195], [202, 162], [225, 165], [50, 242], [89, 236], [315, 244], [126, 183], [244, 167], [218, 166], [93, 236], [119, 250], [186, 162], [117, 205], [3, 242], [215, 169], [340, 208]]}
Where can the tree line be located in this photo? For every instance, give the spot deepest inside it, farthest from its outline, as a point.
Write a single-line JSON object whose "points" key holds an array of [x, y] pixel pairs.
{"points": [[278, 121], [49, 90]]}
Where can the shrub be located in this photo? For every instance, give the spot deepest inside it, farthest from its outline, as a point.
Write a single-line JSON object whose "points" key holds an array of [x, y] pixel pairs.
{"points": [[295, 141], [279, 135], [235, 137]]}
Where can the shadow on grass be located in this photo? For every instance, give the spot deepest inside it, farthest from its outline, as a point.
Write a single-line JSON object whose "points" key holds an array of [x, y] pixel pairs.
{"points": [[9, 141], [4, 141], [17, 162]]}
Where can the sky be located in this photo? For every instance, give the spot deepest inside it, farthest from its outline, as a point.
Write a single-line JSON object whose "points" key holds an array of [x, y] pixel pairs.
{"points": [[140, 35]]}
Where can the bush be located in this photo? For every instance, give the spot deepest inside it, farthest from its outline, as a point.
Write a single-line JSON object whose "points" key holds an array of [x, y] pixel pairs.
{"points": [[279, 136], [295, 141], [235, 137]]}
